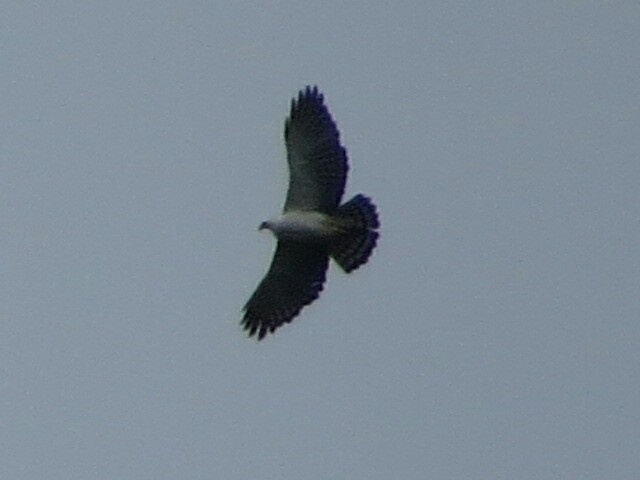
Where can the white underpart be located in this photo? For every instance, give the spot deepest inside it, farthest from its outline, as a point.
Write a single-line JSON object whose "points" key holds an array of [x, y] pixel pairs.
{"points": [[301, 225]]}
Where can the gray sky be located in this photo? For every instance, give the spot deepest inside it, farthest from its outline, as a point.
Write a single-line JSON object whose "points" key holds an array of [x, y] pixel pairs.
{"points": [[495, 332]]}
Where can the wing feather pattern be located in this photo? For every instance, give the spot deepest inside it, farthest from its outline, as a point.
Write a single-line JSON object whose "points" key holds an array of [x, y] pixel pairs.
{"points": [[295, 279], [317, 161]]}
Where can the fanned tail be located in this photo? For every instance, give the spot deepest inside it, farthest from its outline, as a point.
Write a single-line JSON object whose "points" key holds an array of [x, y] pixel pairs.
{"points": [[360, 220]]}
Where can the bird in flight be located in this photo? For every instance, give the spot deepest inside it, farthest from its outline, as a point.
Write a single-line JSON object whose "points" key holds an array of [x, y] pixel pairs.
{"points": [[314, 225]]}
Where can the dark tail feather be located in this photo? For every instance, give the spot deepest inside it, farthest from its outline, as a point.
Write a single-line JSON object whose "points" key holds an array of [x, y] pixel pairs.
{"points": [[353, 248]]}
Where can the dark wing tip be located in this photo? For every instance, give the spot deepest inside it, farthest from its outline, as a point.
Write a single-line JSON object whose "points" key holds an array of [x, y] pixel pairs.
{"points": [[309, 107], [261, 323], [309, 95], [310, 91]]}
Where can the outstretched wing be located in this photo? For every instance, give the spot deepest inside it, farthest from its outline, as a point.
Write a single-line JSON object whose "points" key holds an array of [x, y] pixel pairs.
{"points": [[295, 279], [317, 162]]}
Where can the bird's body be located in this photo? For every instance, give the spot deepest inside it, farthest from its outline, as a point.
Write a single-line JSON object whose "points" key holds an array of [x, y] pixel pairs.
{"points": [[314, 226], [301, 225]]}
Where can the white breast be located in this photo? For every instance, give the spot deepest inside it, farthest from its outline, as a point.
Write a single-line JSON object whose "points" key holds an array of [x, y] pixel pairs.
{"points": [[301, 225]]}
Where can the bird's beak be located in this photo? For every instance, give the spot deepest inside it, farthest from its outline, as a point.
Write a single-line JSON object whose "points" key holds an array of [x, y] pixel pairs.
{"points": [[262, 226]]}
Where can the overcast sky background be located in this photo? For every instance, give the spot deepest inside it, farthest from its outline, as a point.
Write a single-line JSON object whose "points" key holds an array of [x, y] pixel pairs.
{"points": [[494, 334]]}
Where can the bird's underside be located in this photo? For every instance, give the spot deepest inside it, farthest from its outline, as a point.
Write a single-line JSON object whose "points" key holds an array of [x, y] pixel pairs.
{"points": [[314, 226]]}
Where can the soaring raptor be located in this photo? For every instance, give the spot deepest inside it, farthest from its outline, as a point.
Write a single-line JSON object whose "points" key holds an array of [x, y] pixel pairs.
{"points": [[314, 226]]}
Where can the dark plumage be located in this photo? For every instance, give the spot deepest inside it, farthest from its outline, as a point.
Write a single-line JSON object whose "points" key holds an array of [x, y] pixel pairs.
{"points": [[314, 226]]}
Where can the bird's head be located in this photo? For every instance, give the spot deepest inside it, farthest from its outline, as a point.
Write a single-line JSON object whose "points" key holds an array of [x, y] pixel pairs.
{"points": [[265, 226]]}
